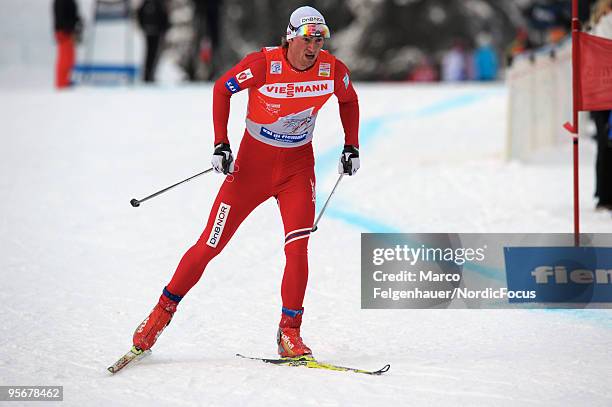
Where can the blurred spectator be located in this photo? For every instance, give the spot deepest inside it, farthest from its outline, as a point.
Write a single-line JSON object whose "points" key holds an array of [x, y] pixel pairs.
{"points": [[547, 15], [425, 71], [205, 40], [584, 10], [67, 25], [556, 34], [153, 19], [602, 19], [520, 44], [485, 59], [602, 27], [455, 63]]}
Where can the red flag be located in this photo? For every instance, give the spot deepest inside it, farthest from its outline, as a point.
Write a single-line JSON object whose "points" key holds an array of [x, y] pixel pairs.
{"points": [[595, 73]]}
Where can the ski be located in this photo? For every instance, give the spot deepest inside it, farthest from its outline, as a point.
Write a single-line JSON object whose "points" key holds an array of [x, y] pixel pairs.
{"points": [[311, 362], [134, 355]]}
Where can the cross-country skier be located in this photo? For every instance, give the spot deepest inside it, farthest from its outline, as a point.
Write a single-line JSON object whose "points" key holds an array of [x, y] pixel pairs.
{"points": [[287, 85]]}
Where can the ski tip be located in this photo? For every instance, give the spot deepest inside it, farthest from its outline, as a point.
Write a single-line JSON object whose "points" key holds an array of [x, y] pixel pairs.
{"points": [[384, 369], [134, 355]]}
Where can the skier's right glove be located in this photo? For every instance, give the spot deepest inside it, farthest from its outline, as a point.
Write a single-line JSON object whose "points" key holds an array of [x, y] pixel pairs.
{"points": [[349, 160], [222, 159]]}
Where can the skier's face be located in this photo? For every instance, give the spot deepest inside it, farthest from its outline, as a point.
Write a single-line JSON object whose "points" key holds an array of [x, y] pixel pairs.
{"points": [[304, 51]]}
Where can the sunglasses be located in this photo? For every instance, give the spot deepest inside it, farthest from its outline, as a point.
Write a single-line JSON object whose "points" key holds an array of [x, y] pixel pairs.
{"points": [[313, 30]]}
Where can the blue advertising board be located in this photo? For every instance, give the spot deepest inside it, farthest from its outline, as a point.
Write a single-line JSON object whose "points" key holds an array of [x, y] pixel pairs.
{"points": [[560, 274]]}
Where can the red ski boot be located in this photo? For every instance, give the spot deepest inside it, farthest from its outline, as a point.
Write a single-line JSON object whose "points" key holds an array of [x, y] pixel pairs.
{"points": [[289, 342], [149, 330]]}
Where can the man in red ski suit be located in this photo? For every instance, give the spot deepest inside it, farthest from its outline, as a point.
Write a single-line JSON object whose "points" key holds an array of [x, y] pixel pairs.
{"points": [[67, 25], [287, 85]]}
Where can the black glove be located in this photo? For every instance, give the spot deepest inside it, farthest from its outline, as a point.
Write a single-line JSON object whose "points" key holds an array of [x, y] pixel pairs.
{"points": [[222, 159], [349, 160]]}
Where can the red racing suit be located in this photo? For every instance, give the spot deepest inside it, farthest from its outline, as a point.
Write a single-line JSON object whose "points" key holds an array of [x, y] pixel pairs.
{"points": [[275, 158]]}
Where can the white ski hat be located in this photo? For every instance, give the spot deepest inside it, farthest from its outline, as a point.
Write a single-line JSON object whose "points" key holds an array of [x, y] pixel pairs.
{"points": [[307, 21]]}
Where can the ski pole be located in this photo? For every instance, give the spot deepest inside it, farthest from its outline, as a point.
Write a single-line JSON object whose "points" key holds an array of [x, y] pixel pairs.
{"points": [[314, 227], [136, 202]]}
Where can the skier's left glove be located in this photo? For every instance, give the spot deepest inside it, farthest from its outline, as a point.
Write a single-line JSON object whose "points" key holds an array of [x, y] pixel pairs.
{"points": [[222, 159], [349, 160]]}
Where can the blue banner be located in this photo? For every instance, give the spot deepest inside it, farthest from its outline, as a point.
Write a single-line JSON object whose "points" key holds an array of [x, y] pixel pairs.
{"points": [[560, 274]]}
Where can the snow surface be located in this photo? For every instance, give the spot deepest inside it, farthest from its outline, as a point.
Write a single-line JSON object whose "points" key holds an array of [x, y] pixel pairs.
{"points": [[81, 267]]}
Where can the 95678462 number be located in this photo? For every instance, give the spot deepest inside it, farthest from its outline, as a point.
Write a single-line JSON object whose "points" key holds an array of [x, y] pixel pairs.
{"points": [[31, 393]]}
